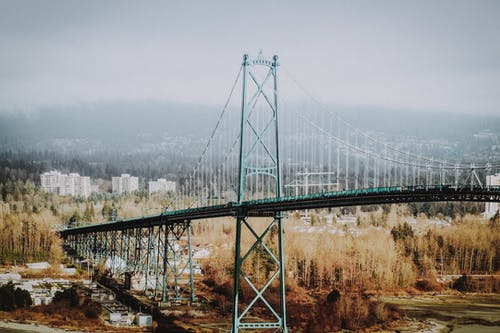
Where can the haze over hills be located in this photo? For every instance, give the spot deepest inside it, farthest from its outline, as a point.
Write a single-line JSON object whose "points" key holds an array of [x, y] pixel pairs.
{"points": [[155, 140], [124, 125], [108, 123]]}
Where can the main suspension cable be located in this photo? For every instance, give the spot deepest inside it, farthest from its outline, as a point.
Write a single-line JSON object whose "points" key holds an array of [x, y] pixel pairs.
{"points": [[385, 145]]}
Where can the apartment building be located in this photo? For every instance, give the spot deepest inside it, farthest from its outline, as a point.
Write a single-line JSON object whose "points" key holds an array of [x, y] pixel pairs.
{"points": [[65, 184], [124, 184], [161, 186]]}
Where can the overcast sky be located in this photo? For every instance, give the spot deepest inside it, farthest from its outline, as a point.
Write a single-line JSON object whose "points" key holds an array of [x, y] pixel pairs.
{"points": [[416, 55]]}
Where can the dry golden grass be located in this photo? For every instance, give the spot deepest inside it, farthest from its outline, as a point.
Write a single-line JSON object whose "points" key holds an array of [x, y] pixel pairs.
{"points": [[29, 236], [313, 260], [369, 260]]}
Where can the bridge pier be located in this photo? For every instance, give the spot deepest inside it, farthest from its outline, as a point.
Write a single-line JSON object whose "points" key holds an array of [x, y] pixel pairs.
{"points": [[175, 261], [260, 266], [113, 240], [149, 249]]}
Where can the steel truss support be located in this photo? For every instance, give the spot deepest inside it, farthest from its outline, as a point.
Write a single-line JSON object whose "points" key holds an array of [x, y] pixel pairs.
{"points": [[99, 242], [174, 269], [160, 276], [90, 247], [137, 261], [106, 247], [159, 256], [150, 254], [126, 237], [77, 244], [122, 258], [138, 256], [112, 255], [259, 267], [94, 247]]}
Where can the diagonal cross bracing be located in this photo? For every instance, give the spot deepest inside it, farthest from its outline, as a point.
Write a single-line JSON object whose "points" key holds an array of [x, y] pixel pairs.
{"points": [[241, 319]]}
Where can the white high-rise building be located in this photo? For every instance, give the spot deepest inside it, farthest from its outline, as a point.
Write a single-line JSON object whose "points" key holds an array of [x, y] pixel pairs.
{"points": [[50, 181], [64, 184], [492, 207], [68, 183], [124, 184], [116, 185], [161, 186], [85, 187]]}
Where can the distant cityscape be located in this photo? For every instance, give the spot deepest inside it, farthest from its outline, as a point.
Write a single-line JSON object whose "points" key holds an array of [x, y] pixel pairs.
{"points": [[80, 186]]}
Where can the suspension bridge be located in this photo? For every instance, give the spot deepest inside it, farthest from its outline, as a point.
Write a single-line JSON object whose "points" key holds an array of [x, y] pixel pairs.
{"points": [[263, 158]]}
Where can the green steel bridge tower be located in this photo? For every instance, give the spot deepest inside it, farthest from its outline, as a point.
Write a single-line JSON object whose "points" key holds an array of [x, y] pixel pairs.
{"points": [[267, 138]]}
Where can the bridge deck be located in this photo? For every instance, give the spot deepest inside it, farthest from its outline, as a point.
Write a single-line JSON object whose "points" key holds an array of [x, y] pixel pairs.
{"points": [[268, 207]]}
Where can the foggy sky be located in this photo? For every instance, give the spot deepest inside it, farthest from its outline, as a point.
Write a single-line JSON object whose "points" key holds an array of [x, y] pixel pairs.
{"points": [[409, 55]]}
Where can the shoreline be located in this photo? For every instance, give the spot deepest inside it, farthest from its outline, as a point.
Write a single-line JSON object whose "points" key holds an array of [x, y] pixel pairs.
{"points": [[32, 327]]}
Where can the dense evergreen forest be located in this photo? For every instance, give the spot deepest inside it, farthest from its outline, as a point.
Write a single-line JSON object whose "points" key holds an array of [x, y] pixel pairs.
{"points": [[24, 166]]}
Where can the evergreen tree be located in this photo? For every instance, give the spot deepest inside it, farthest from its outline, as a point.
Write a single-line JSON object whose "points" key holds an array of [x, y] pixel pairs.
{"points": [[87, 215], [106, 210], [19, 190], [92, 210], [11, 299]]}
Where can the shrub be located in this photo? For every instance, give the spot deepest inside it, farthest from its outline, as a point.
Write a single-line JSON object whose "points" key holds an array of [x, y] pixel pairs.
{"points": [[461, 284], [351, 312], [67, 295], [22, 298], [11, 299], [428, 285], [92, 312], [333, 296], [7, 300]]}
